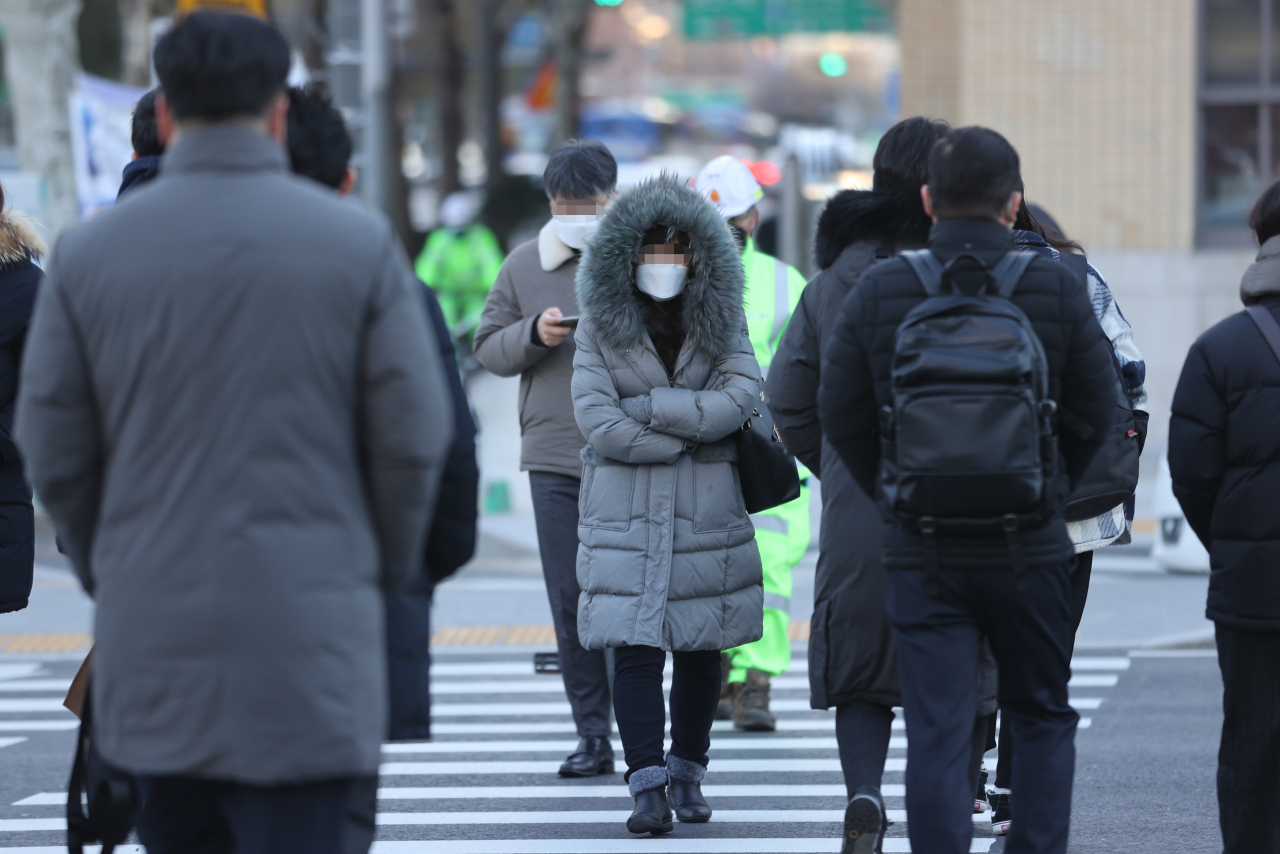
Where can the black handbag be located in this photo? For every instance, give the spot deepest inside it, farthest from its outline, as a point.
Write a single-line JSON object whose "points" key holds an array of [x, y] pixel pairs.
{"points": [[765, 469]]}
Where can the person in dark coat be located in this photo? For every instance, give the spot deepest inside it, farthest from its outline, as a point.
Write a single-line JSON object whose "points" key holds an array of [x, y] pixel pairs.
{"points": [[973, 180], [852, 664], [320, 148], [148, 148], [1224, 455], [19, 280]]}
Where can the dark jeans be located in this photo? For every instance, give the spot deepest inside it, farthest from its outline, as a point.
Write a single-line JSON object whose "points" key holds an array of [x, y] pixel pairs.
{"points": [[641, 713], [586, 677], [1079, 596], [939, 640], [1249, 755], [188, 816], [862, 734]]}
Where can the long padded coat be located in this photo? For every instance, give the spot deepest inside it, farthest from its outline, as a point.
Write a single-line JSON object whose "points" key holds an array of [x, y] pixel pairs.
{"points": [[667, 556]]}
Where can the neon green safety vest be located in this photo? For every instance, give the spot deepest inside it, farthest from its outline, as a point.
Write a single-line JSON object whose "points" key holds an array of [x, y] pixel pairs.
{"points": [[461, 268], [773, 291]]}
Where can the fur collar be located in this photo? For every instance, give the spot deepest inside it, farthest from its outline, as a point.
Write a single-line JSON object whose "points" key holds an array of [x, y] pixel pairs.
{"points": [[713, 318], [857, 215], [552, 251], [18, 238]]}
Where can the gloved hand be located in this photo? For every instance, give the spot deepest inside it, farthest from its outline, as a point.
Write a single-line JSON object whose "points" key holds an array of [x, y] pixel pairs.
{"points": [[638, 408]]}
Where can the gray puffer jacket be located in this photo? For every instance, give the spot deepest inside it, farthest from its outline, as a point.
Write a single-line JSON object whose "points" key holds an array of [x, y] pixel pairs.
{"points": [[668, 556]]}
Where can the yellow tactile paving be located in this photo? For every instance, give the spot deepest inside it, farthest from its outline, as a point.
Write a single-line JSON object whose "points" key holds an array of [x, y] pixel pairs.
{"points": [[30, 642], [524, 635]]}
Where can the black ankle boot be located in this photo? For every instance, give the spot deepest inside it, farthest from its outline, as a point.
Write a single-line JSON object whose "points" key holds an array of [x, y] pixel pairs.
{"points": [[651, 815], [593, 756], [688, 802], [864, 822]]}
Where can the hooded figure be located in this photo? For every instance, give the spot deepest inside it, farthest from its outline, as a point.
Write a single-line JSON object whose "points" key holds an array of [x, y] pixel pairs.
{"points": [[667, 559]]}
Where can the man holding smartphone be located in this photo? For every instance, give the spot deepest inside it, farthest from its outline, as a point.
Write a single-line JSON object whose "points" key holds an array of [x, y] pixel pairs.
{"points": [[526, 329]]}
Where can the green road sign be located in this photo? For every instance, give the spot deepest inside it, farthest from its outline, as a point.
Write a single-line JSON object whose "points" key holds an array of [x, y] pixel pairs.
{"points": [[741, 19]]}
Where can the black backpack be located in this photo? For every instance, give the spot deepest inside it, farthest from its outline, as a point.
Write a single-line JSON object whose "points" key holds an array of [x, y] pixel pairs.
{"points": [[970, 441], [1112, 475]]}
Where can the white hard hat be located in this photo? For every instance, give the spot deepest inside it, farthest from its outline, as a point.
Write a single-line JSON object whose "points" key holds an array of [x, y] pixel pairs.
{"points": [[459, 209], [730, 186]]}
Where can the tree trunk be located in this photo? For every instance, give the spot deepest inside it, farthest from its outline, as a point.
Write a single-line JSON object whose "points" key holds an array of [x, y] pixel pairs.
{"points": [[449, 81], [569, 28], [41, 61], [135, 41]]}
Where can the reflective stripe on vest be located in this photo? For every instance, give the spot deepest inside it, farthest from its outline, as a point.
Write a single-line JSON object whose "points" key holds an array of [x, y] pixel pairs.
{"points": [[781, 299], [777, 602], [771, 524]]}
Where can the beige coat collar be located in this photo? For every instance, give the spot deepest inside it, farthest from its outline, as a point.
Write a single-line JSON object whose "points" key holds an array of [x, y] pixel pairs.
{"points": [[552, 251]]}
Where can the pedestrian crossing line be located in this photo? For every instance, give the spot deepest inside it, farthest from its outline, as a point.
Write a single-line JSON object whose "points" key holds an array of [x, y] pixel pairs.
{"points": [[59, 686], [721, 766], [497, 746], [10, 742], [548, 685], [671, 844], [1094, 680], [520, 709], [32, 706], [39, 726], [826, 724], [1100, 662], [19, 671]]}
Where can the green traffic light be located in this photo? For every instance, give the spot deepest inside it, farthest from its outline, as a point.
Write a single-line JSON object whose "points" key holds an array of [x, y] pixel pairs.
{"points": [[608, 2], [830, 64]]}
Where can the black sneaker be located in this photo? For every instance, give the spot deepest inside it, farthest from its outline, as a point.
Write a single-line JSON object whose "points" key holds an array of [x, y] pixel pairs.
{"points": [[1001, 814], [864, 822], [980, 802]]}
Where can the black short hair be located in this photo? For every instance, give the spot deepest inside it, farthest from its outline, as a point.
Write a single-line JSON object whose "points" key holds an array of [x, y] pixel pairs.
{"points": [[218, 66], [901, 162], [319, 144], [580, 169], [142, 130], [972, 173], [1264, 219]]}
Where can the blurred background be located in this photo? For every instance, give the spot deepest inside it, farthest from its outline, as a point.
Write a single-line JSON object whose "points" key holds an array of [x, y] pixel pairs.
{"points": [[1146, 127]]}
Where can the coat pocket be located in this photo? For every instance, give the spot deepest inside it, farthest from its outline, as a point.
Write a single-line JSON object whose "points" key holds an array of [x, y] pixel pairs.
{"points": [[717, 498], [607, 495]]}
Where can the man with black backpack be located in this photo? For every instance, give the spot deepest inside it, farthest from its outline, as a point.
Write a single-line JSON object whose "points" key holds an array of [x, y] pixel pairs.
{"points": [[967, 387]]}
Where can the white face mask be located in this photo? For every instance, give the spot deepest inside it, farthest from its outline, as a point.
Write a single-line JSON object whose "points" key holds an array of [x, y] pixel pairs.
{"points": [[576, 229], [662, 281]]}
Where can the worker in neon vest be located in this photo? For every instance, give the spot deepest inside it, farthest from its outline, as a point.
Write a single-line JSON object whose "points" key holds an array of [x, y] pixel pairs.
{"points": [[772, 291]]}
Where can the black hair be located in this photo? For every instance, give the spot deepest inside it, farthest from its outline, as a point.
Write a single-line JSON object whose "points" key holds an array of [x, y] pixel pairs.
{"points": [[142, 129], [1037, 219], [580, 169], [972, 173], [901, 161], [1264, 219], [218, 66], [319, 145]]}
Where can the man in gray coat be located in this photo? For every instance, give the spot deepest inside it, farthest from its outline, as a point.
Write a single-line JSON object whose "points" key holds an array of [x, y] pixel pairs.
{"points": [[521, 332], [235, 412]]}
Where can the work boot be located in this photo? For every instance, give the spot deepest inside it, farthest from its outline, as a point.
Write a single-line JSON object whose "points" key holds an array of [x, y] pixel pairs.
{"points": [[593, 756], [724, 711], [751, 704]]}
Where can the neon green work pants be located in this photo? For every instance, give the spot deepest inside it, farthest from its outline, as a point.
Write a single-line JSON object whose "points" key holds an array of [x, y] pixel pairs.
{"points": [[782, 535]]}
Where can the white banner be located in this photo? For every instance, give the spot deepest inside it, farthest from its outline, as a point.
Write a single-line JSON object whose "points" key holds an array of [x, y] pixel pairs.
{"points": [[101, 115]]}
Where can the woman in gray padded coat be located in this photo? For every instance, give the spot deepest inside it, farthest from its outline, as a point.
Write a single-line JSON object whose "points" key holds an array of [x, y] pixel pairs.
{"points": [[663, 376]]}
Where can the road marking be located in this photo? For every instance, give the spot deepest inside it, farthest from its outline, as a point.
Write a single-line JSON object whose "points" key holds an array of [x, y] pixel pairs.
{"points": [[58, 685], [612, 816], [18, 671], [754, 766], [549, 685], [499, 746], [1079, 703], [32, 706], [642, 845], [10, 742], [39, 726], [825, 724], [1094, 680], [1100, 662], [515, 709]]}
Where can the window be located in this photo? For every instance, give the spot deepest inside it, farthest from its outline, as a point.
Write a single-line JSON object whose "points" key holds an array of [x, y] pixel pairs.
{"points": [[1239, 114]]}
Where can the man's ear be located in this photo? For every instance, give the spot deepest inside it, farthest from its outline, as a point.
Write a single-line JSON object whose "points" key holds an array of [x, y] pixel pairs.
{"points": [[278, 119], [1011, 210], [164, 121], [927, 199], [348, 181]]}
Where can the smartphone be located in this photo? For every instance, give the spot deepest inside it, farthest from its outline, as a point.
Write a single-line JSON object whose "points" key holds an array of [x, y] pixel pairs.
{"points": [[569, 322]]}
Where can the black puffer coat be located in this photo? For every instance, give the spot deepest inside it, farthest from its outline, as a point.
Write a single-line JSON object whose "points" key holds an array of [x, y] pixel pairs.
{"points": [[851, 651], [855, 384], [19, 279], [1224, 454]]}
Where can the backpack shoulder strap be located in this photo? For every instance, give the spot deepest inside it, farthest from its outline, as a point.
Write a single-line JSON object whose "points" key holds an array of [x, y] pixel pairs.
{"points": [[1267, 325], [927, 270], [1009, 271], [1078, 265]]}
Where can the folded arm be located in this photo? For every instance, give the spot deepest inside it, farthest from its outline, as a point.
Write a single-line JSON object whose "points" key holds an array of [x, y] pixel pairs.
{"points": [[715, 412]]}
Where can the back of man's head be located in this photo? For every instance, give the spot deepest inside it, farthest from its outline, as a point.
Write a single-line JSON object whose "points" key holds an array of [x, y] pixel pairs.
{"points": [[319, 145], [973, 173], [901, 161], [219, 66], [580, 169], [142, 132]]}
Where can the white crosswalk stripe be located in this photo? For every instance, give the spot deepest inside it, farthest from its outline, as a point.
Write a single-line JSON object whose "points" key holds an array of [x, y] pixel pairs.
{"points": [[499, 717]]}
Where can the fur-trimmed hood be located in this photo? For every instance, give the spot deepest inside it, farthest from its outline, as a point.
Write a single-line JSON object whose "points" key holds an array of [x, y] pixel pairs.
{"points": [[18, 239], [856, 215], [607, 295]]}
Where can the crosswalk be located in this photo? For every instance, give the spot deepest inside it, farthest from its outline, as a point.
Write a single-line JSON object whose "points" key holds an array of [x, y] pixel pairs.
{"points": [[487, 783]]}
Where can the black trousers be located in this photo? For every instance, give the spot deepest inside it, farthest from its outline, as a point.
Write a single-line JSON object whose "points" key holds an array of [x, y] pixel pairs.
{"points": [[938, 641], [183, 815], [641, 712], [1079, 597], [1249, 755], [586, 677]]}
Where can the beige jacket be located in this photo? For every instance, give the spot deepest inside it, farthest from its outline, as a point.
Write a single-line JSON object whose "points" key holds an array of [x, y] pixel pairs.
{"points": [[536, 276]]}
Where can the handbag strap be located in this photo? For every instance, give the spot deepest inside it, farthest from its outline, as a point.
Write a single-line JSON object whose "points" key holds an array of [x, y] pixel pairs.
{"points": [[1267, 325]]}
